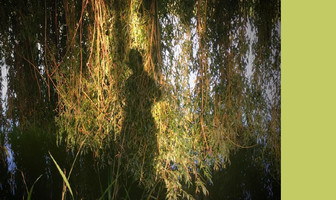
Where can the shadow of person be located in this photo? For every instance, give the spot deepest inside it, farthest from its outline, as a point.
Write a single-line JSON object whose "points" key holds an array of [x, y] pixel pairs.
{"points": [[139, 129]]}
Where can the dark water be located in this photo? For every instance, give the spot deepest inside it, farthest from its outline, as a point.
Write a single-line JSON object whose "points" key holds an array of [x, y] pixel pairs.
{"points": [[29, 158]]}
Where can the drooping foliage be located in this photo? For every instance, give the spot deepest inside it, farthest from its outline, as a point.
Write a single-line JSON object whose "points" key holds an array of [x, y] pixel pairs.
{"points": [[164, 91]]}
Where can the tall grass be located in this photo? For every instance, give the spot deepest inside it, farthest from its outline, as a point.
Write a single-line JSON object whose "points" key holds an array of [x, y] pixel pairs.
{"points": [[65, 179], [32, 188], [110, 193]]}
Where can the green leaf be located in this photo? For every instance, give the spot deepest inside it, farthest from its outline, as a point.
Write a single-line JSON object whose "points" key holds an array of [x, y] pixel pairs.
{"points": [[107, 189], [32, 188], [63, 175]]}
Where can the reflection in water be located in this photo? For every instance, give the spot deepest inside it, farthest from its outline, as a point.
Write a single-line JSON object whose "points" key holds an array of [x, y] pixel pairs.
{"points": [[139, 129], [8, 157], [30, 151], [243, 179]]}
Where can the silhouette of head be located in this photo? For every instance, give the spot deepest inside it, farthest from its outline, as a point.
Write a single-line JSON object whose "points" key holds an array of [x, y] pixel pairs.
{"points": [[135, 61]]}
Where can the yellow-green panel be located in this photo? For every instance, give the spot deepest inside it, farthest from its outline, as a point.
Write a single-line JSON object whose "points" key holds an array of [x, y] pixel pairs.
{"points": [[308, 99]]}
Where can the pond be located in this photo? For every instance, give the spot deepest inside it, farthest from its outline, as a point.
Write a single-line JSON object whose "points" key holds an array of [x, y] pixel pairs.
{"points": [[28, 158]]}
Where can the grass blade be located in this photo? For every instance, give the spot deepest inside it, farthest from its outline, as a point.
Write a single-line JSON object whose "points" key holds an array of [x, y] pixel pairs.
{"points": [[73, 163], [63, 175], [32, 187], [107, 189], [127, 194]]}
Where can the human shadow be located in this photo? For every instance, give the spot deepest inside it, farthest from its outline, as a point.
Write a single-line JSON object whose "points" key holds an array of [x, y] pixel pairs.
{"points": [[139, 129]]}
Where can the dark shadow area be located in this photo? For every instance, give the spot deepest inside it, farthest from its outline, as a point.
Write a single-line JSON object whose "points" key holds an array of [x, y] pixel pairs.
{"points": [[244, 178], [30, 154], [139, 130]]}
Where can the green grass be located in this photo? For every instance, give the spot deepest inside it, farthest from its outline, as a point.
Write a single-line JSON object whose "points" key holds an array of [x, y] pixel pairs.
{"points": [[65, 179], [32, 188]]}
